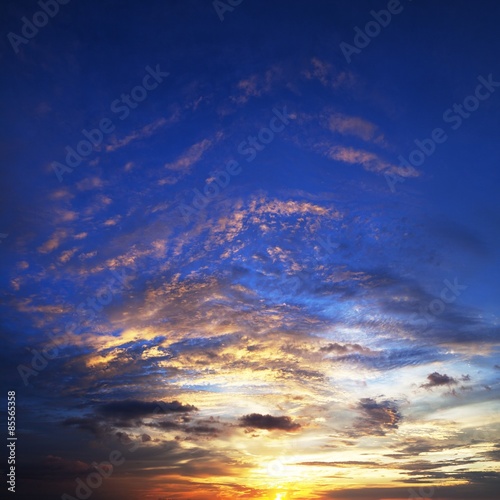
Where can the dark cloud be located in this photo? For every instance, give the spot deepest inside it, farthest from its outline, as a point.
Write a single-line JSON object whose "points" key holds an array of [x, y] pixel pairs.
{"points": [[128, 414], [493, 455], [346, 464], [268, 422], [488, 490], [134, 409], [436, 379], [423, 446], [124, 437], [300, 374], [377, 418], [343, 349], [53, 467], [201, 427], [91, 424], [205, 430], [167, 425]]}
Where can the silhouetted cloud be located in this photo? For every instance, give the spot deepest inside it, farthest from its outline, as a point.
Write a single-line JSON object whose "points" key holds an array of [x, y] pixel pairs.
{"points": [[343, 349], [436, 379], [377, 418], [91, 424], [268, 422], [134, 409]]}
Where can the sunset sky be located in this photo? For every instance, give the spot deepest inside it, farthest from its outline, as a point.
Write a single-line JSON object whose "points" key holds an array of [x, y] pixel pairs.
{"points": [[251, 248]]}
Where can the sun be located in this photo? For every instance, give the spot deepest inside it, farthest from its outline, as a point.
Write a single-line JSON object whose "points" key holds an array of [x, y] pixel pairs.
{"points": [[276, 468]]}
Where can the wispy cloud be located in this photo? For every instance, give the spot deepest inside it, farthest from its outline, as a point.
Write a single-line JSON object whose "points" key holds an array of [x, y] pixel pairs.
{"points": [[191, 156], [257, 85], [371, 162], [328, 76], [143, 133], [183, 164], [354, 126]]}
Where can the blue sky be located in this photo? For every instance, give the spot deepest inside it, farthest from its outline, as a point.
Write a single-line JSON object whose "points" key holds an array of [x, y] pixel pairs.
{"points": [[248, 294]]}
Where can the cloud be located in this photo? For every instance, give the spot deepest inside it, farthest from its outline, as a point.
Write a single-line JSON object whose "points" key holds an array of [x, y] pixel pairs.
{"points": [[355, 126], [91, 424], [377, 418], [436, 379], [56, 469], [204, 428], [167, 425], [485, 491], [262, 206], [268, 422], [326, 74], [128, 413], [371, 162], [53, 242], [256, 85], [345, 464], [134, 409], [67, 254], [191, 156], [418, 446], [62, 465], [343, 349], [184, 162], [143, 133], [89, 183], [385, 359]]}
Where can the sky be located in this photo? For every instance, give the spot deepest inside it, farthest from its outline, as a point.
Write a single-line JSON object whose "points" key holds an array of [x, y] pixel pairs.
{"points": [[250, 249]]}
